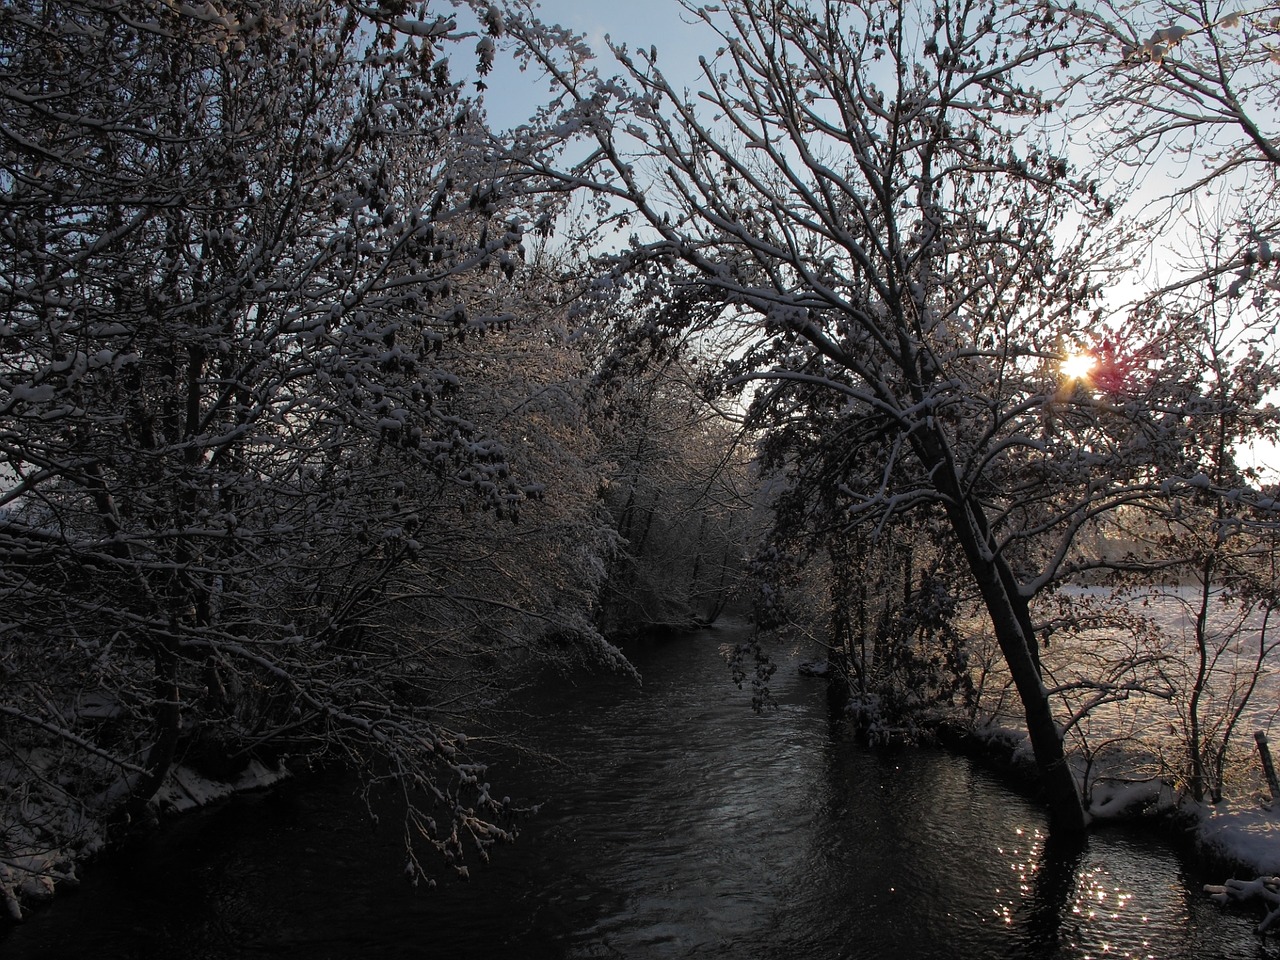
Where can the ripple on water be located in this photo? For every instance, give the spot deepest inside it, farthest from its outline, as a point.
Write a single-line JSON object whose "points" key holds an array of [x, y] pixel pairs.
{"points": [[679, 824]]}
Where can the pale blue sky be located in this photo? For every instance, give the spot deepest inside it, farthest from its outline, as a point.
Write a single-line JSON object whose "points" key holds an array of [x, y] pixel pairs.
{"points": [[643, 23]]}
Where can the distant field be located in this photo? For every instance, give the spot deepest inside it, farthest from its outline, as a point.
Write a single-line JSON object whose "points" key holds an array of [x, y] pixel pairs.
{"points": [[1125, 664]]}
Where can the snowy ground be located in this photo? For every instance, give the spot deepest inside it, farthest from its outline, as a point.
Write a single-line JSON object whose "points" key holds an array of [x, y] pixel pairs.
{"points": [[47, 831], [1128, 732]]}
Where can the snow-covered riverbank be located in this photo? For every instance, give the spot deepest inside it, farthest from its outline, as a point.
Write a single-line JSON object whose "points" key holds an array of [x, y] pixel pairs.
{"points": [[48, 833], [1124, 670]]}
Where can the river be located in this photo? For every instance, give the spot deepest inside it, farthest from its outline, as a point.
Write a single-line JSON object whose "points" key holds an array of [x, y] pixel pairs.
{"points": [[678, 824]]}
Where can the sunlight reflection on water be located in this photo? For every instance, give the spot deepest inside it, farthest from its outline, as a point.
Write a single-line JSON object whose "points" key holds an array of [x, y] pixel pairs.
{"points": [[1116, 904]]}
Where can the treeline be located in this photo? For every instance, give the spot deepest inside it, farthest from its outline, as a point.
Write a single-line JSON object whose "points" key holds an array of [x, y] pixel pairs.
{"points": [[310, 441], [325, 409]]}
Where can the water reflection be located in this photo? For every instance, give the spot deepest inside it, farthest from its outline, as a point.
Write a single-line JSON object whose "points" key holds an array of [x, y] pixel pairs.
{"points": [[679, 824], [1046, 883]]}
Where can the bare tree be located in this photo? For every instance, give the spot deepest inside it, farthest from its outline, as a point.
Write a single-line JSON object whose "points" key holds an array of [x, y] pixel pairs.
{"points": [[871, 192], [250, 256], [1189, 94]]}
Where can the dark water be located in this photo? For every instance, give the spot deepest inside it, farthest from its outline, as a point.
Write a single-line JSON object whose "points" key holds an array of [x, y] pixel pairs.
{"points": [[681, 825]]}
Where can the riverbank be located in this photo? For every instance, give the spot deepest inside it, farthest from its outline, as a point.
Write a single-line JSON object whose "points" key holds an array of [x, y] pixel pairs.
{"points": [[49, 834], [677, 822], [1241, 834], [1236, 839], [1134, 720]]}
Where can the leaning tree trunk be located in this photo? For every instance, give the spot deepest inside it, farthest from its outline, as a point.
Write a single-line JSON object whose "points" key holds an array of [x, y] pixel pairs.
{"points": [[1011, 621], [1065, 809]]}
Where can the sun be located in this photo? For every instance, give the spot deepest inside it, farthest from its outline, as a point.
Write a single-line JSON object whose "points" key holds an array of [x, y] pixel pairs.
{"points": [[1078, 366]]}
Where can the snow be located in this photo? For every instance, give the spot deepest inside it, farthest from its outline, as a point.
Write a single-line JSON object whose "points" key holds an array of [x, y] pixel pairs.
{"points": [[1244, 834], [1124, 798], [1132, 774], [437, 28], [1263, 888], [185, 789], [32, 809]]}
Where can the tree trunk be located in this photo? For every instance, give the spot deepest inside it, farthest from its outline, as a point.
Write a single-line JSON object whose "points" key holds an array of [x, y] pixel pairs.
{"points": [[1196, 745], [167, 726], [1009, 618]]}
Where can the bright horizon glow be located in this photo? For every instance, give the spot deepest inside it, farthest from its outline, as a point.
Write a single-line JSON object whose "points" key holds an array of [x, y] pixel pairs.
{"points": [[1078, 366]]}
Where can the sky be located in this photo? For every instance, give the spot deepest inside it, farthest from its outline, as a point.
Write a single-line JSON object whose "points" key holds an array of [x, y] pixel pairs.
{"points": [[637, 23], [647, 22], [642, 21], [513, 96]]}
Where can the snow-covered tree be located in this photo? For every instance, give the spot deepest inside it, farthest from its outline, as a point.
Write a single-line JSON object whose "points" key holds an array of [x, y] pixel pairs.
{"points": [[872, 193], [248, 257], [680, 488], [1189, 96]]}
